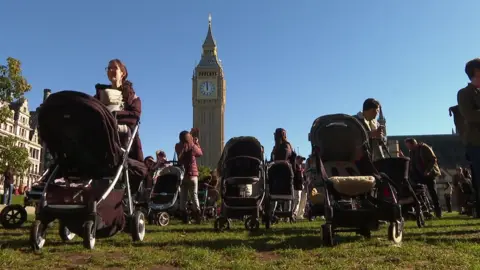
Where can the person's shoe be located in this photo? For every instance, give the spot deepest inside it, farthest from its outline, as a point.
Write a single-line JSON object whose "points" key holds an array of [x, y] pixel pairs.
{"points": [[438, 213]]}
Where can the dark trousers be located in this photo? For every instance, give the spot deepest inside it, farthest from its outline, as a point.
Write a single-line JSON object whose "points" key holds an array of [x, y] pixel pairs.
{"points": [[473, 156], [448, 202]]}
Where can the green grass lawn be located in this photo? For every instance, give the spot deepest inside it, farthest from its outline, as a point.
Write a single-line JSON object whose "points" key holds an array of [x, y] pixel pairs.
{"points": [[16, 199], [450, 243]]}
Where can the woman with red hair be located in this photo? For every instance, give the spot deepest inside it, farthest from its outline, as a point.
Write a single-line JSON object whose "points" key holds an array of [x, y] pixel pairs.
{"points": [[117, 74]]}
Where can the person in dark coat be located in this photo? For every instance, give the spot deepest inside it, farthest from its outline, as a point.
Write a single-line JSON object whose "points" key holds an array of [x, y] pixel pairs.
{"points": [[283, 151], [424, 169], [8, 186], [130, 115]]}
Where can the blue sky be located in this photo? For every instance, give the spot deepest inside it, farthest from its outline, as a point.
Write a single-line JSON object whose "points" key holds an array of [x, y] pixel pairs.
{"points": [[286, 62]]}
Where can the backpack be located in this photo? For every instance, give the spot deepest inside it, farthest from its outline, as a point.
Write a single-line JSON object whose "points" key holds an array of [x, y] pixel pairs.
{"points": [[458, 119]]}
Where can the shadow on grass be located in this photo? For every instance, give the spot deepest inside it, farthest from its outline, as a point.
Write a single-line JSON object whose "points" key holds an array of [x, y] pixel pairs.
{"points": [[15, 244], [264, 244], [442, 233]]}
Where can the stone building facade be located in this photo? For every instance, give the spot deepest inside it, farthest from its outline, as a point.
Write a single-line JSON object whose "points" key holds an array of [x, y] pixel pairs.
{"points": [[23, 125]]}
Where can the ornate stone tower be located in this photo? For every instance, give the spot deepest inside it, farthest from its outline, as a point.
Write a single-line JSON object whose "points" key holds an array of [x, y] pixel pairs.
{"points": [[208, 100]]}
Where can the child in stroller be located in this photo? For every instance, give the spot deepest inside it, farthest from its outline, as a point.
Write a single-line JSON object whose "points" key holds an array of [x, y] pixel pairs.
{"points": [[356, 195], [86, 190]]}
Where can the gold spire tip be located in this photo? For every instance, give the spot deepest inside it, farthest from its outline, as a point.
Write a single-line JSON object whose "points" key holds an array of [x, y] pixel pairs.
{"points": [[209, 18]]}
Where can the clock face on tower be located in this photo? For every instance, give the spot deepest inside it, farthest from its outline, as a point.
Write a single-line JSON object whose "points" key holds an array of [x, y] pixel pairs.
{"points": [[207, 89]]}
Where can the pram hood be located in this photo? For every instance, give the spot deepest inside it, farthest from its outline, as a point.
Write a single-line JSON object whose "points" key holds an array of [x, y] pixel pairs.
{"points": [[80, 133], [169, 170], [338, 137], [242, 146]]}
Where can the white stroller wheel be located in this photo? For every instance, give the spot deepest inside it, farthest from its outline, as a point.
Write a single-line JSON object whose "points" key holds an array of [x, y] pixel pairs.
{"points": [[37, 235], [138, 223], [163, 219], [89, 231], [395, 232], [65, 234]]}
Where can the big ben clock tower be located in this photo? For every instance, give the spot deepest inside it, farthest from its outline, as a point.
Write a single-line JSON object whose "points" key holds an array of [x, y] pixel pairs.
{"points": [[208, 100]]}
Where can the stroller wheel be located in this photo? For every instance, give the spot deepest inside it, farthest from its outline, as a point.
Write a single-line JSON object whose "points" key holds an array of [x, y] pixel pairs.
{"points": [[221, 224], [420, 220], [37, 235], [252, 224], [65, 234], [89, 231], [13, 216], [395, 232], [327, 235], [163, 219], [138, 226]]}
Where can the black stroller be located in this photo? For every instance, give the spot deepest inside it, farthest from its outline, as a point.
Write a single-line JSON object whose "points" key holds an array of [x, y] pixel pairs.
{"points": [[164, 195], [410, 195], [357, 196], [279, 189], [89, 188], [242, 179]]}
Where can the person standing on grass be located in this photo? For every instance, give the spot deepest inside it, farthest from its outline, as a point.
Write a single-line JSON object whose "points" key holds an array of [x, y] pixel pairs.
{"points": [[188, 150], [7, 186], [424, 169], [469, 108], [448, 196]]}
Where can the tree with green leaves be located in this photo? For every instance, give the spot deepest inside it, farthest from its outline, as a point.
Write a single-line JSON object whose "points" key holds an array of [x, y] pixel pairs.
{"points": [[203, 171], [13, 86]]}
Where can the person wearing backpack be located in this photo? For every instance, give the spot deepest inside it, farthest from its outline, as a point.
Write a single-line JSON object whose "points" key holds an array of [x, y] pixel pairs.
{"points": [[468, 100]]}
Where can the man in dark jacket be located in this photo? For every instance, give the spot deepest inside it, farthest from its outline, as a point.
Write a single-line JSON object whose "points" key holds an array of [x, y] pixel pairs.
{"points": [[7, 186], [424, 169], [469, 106]]}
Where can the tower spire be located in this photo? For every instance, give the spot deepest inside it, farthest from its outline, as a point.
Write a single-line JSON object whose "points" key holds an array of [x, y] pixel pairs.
{"points": [[209, 40]]}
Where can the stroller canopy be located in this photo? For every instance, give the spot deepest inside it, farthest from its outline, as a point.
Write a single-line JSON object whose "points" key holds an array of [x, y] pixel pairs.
{"points": [[338, 137], [80, 133], [241, 146]]}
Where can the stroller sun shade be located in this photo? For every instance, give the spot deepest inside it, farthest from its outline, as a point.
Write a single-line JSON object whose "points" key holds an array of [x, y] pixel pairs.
{"points": [[338, 137], [242, 146], [80, 133]]}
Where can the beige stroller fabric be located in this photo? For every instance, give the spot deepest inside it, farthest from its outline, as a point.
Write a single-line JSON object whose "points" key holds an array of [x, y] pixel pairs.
{"points": [[346, 183], [353, 185]]}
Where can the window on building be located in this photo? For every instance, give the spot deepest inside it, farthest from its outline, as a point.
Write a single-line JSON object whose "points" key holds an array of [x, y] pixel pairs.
{"points": [[10, 128], [36, 169]]}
